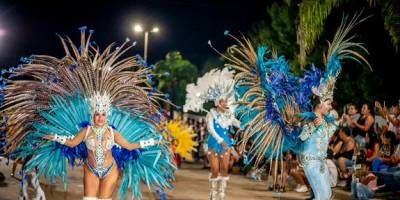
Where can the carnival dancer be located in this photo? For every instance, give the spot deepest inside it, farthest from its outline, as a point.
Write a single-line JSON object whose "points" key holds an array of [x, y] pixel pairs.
{"points": [[92, 106], [274, 104], [216, 86]]}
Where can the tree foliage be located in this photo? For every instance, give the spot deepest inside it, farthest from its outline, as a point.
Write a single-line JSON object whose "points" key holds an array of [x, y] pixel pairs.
{"points": [[313, 15], [175, 73]]}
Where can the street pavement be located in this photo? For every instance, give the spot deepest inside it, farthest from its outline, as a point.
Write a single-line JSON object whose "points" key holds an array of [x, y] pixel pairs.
{"points": [[191, 184]]}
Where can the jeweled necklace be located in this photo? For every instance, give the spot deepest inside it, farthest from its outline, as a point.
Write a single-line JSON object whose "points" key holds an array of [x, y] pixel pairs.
{"points": [[99, 131]]}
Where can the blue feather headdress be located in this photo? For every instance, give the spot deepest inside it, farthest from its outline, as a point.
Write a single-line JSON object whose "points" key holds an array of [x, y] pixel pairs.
{"points": [[273, 101]]}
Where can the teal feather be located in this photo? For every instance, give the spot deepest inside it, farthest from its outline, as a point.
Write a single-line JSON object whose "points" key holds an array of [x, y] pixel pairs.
{"points": [[153, 165]]}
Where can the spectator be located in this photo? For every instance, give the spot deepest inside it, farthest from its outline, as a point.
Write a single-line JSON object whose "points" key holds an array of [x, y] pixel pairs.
{"points": [[362, 126], [394, 120], [392, 177], [364, 188], [353, 114], [335, 144], [298, 175], [396, 156], [345, 155], [372, 146], [384, 161]]}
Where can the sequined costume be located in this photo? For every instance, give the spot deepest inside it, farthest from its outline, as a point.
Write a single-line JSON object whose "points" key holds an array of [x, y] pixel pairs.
{"points": [[220, 128], [214, 86], [58, 98], [313, 154]]}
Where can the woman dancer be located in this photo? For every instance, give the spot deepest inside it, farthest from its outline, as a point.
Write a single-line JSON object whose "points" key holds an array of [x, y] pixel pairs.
{"points": [[216, 86]]}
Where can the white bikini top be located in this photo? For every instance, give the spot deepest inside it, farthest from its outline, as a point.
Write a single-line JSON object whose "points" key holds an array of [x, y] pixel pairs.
{"points": [[91, 141]]}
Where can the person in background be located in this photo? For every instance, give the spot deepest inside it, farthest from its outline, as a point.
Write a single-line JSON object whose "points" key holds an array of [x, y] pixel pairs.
{"points": [[364, 187], [345, 155], [362, 126], [384, 160], [372, 146]]}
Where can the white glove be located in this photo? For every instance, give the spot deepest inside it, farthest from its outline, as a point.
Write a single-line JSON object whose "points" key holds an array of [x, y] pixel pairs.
{"points": [[60, 139], [147, 143]]}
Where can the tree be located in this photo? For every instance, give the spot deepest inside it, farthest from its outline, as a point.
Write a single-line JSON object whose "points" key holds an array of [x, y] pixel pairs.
{"points": [[175, 73], [278, 32], [313, 15]]}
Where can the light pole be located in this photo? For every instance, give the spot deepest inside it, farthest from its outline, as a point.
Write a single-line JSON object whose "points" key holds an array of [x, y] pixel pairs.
{"points": [[138, 28]]}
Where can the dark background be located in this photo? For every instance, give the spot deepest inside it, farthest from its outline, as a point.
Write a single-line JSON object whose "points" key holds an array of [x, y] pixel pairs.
{"points": [[185, 25]]}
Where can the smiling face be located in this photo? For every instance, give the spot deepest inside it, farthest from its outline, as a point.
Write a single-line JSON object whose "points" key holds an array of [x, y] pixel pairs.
{"points": [[99, 119], [223, 104]]}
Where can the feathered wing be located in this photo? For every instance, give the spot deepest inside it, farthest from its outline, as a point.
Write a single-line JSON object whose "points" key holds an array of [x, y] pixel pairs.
{"points": [[272, 99], [265, 88], [50, 96], [152, 166]]}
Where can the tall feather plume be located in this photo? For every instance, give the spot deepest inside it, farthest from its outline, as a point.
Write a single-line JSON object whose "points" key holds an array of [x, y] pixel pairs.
{"points": [[271, 98], [84, 69]]}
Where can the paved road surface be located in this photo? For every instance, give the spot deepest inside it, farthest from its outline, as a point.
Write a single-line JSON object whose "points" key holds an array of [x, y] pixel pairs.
{"points": [[191, 184]]}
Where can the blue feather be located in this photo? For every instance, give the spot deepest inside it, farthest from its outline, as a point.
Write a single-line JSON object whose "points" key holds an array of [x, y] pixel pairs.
{"points": [[67, 116]]}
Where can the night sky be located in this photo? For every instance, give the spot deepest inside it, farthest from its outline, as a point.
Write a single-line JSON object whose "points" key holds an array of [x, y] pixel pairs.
{"points": [[186, 25]]}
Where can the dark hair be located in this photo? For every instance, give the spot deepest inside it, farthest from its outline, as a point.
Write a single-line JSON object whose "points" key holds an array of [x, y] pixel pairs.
{"points": [[353, 104], [346, 130], [364, 161], [315, 100], [392, 137], [334, 105], [370, 108], [373, 139]]}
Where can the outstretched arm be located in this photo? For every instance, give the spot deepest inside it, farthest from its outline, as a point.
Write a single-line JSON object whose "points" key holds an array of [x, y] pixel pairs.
{"points": [[75, 141], [121, 141]]}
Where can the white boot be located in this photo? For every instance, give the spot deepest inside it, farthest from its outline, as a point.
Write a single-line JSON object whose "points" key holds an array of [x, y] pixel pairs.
{"points": [[223, 182], [36, 185], [213, 187], [90, 198], [24, 187]]}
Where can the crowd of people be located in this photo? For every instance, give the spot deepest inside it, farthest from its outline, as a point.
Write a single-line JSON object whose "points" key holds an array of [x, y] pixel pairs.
{"points": [[363, 154]]}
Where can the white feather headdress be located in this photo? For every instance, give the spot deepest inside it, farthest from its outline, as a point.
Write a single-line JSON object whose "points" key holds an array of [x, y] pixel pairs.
{"points": [[213, 86]]}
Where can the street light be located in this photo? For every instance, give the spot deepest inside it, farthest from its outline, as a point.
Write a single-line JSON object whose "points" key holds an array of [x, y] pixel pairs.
{"points": [[2, 32], [138, 28]]}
